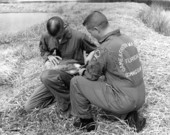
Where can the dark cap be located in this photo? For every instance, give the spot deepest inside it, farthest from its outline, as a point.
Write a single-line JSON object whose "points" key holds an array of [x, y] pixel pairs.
{"points": [[55, 26], [96, 19]]}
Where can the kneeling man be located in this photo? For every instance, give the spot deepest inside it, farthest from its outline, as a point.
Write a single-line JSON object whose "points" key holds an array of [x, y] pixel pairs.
{"points": [[60, 45], [123, 91]]}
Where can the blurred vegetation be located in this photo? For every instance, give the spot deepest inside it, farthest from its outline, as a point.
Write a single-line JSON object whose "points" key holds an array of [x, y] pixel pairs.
{"points": [[156, 18], [148, 2], [162, 3]]}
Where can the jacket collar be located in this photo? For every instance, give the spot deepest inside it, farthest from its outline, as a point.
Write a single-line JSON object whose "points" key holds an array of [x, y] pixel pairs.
{"points": [[115, 32], [67, 35]]}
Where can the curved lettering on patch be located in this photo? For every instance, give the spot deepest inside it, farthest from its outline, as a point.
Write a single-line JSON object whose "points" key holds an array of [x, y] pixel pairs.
{"points": [[134, 72], [122, 61], [131, 59]]}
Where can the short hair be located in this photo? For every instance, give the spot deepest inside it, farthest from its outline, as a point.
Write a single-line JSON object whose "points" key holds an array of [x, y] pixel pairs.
{"points": [[96, 19], [55, 26]]}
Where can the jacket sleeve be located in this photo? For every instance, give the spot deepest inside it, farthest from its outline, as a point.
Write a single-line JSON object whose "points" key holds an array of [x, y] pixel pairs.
{"points": [[97, 65], [43, 49], [87, 44]]}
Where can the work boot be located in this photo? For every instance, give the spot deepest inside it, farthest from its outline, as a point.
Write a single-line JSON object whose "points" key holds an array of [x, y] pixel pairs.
{"points": [[85, 124], [134, 121], [64, 114]]}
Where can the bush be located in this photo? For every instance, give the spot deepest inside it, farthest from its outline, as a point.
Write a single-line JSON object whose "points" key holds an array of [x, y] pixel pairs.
{"points": [[164, 3], [9, 65], [156, 18]]}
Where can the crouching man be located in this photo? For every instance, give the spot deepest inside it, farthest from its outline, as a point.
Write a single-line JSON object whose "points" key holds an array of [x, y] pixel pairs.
{"points": [[123, 90], [60, 45]]}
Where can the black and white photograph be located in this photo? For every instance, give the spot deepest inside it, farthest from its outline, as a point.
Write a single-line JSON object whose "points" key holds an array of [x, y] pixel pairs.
{"points": [[84, 67]]}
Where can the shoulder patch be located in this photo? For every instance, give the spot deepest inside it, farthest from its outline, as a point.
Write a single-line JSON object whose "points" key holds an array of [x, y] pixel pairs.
{"points": [[97, 54]]}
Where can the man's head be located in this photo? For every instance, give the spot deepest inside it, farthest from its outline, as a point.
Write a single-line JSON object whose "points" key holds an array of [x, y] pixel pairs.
{"points": [[55, 27], [96, 23]]}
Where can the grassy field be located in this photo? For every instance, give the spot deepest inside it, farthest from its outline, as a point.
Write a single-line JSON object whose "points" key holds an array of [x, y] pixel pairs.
{"points": [[157, 17], [21, 66]]}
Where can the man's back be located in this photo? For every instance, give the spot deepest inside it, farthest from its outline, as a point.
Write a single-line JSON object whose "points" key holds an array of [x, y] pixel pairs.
{"points": [[117, 59], [123, 69], [123, 59]]}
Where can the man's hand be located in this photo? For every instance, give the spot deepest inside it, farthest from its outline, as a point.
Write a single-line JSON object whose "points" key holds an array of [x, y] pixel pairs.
{"points": [[54, 59], [81, 71], [89, 57]]}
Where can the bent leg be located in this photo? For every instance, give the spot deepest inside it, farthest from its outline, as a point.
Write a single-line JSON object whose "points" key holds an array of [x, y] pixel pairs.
{"points": [[58, 82], [41, 98], [83, 92]]}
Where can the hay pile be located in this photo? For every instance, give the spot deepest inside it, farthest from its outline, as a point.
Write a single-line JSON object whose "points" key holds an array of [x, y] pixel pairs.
{"points": [[154, 53]]}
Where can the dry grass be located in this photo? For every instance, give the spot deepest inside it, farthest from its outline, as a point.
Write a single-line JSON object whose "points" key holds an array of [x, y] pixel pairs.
{"points": [[32, 7], [157, 19], [154, 52]]}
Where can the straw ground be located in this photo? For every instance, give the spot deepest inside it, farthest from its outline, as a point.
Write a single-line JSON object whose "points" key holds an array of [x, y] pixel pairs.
{"points": [[22, 63]]}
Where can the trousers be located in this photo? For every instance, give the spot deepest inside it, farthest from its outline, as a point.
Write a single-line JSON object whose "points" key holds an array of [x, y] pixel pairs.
{"points": [[54, 88], [84, 92]]}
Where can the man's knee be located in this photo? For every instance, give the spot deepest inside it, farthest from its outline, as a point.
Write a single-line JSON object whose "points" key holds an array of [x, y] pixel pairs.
{"points": [[44, 75], [76, 81], [47, 74]]}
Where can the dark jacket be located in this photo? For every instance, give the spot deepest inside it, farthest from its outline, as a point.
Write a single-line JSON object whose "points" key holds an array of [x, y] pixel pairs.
{"points": [[71, 47], [118, 60]]}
